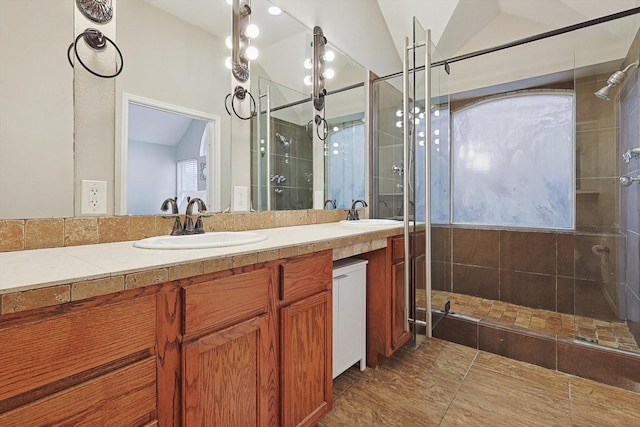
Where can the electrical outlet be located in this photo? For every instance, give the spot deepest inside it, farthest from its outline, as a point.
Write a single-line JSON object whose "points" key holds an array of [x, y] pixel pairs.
{"points": [[240, 199], [94, 197]]}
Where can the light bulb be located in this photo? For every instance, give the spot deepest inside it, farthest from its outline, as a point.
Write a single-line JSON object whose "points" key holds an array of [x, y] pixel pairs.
{"points": [[417, 121], [228, 42], [421, 134], [251, 53], [436, 141], [399, 124], [421, 143], [436, 132], [329, 73], [336, 152], [308, 81], [308, 63], [399, 113], [436, 113], [416, 110], [252, 31], [329, 56], [335, 144], [274, 10], [336, 129], [421, 115], [227, 62]]}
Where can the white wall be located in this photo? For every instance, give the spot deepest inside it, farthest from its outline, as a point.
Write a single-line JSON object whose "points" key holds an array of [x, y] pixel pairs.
{"points": [[151, 175], [173, 62], [36, 109]]}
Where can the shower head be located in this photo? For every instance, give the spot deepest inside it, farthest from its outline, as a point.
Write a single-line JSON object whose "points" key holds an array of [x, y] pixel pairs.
{"points": [[281, 138], [627, 181], [614, 80]]}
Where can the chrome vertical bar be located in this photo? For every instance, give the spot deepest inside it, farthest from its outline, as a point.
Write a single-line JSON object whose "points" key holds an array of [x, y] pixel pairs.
{"points": [[427, 187], [405, 181], [268, 148]]}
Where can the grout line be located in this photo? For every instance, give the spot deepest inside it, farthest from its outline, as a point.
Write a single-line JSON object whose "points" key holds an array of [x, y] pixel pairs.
{"points": [[459, 386]]}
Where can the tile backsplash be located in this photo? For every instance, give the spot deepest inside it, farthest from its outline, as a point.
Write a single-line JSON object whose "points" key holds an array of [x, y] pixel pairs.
{"points": [[18, 235]]}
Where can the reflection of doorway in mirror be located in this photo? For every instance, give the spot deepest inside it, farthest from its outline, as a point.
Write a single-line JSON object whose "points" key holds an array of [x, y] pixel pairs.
{"points": [[165, 151]]}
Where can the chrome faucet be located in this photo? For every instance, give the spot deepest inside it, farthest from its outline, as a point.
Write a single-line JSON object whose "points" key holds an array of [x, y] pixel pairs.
{"points": [[331, 203], [177, 226], [352, 214], [189, 227]]}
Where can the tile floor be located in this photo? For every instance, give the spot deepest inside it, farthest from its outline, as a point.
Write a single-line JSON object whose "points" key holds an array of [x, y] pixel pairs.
{"points": [[610, 334], [447, 384]]}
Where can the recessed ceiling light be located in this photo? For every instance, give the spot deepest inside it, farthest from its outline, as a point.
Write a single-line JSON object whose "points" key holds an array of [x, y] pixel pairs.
{"points": [[274, 10]]}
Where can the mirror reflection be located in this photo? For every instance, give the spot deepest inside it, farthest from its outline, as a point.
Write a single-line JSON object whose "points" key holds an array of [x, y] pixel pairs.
{"points": [[170, 102]]}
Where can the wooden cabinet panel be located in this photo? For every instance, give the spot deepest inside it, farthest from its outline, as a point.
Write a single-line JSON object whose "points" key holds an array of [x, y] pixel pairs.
{"points": [[306, 276], [226, 377], [50, 348], [225, 301], [125, 397], [305, 354], [398, 315]]}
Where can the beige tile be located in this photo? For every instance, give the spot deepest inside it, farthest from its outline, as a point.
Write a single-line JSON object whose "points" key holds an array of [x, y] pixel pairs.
{"points": [[592, 403], [241, 221], [270, 255], [80, 231], [44, 233], [11, 235], [217, 264], [287, 252], [183, 271], [306, 249], [307, 217], [92, 288], [141, 227], [352, 409], [37, 298], [164, 225], [489, 398], [259, 220], [113, 229], [245, 259], [146, 278]]}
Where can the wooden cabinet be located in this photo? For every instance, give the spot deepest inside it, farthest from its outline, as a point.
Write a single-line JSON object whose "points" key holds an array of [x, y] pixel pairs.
{"points": [[229, 359], [86, 363], [386, 299], [250, 346], [305, 340]]}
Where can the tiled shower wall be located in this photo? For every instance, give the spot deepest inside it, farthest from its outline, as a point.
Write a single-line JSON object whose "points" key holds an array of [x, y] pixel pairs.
{"points": [[294, 162], [548, 270], [629, 118]]}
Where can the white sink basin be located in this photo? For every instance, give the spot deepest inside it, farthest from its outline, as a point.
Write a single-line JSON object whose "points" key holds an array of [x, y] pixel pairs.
{"points": [[371, 222], [201, 241]]}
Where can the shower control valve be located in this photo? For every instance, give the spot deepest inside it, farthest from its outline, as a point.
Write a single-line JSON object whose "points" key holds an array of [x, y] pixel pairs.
{"points": [[629, 154], [278, 178]]}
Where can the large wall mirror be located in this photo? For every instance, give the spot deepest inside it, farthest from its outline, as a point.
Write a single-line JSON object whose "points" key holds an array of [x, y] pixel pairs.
{"points": [[59, 125], [36, 109]]}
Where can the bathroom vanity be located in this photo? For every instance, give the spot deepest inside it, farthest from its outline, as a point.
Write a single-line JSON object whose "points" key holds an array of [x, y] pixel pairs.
{"points": [[258, 328]]}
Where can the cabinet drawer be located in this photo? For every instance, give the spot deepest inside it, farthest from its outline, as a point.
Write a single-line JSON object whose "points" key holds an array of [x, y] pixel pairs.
{"points": [[222, 302], [306, 276], [49, 349], [125, 397]]}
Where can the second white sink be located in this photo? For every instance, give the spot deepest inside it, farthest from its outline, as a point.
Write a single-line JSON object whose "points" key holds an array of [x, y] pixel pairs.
{"points": [[201, 241]]}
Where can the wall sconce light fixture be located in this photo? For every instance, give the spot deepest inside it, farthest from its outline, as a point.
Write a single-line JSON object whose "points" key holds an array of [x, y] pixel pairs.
{"points": [[320, 72], [242, 32]]}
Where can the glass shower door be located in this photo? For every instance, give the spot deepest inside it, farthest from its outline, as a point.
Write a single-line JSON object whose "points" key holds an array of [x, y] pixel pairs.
{"points": [[282, 149]]}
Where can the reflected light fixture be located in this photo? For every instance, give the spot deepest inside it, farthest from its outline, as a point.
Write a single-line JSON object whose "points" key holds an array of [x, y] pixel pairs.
{"points": [[274, 10], [615, 79], [242, 31], [319, 44]]}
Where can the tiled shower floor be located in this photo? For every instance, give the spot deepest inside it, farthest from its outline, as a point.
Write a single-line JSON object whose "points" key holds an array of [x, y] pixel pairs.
{"points": [[610, 334]]}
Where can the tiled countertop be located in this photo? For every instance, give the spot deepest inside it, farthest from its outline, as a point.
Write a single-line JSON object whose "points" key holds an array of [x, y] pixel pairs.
{"points": [[43, 268]]}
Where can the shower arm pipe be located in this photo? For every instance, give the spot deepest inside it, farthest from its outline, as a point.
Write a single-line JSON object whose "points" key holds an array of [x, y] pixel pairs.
{"points": [[630, 66]]}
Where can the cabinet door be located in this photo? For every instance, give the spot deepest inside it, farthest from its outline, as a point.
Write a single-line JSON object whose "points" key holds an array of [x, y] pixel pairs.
{"points": [[226, 377], [398, 313], [305, 338]]}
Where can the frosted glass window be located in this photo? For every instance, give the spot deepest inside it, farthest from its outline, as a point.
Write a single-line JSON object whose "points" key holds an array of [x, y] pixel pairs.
{"points": [[346, 157], [513, 162]]}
